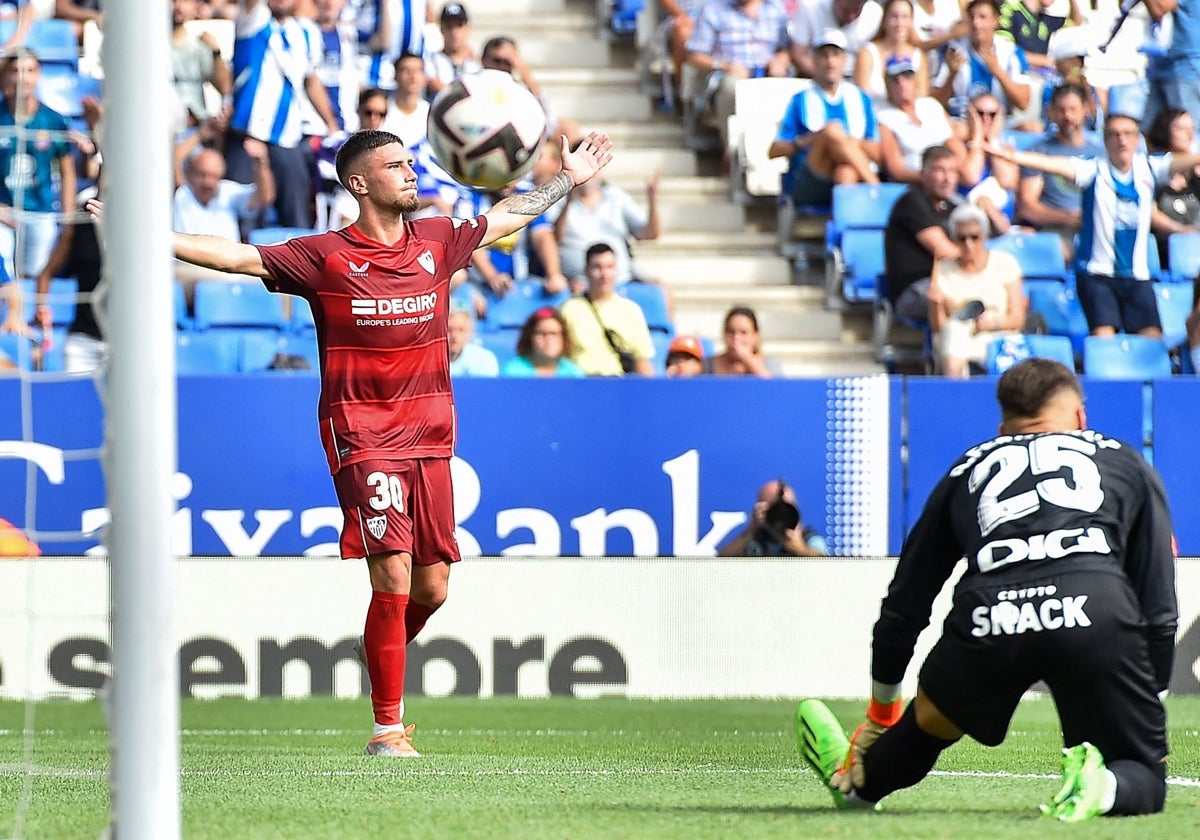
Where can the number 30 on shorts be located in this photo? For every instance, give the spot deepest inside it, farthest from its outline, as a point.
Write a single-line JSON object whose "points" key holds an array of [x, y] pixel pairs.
{"points": [[389, 493]]}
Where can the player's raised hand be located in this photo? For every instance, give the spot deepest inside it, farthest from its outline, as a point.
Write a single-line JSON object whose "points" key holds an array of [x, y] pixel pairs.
{"points": [[593, 154]]}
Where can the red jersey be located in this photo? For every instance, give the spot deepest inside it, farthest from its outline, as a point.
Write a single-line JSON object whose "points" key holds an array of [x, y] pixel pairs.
{"points": [[380, 313]]}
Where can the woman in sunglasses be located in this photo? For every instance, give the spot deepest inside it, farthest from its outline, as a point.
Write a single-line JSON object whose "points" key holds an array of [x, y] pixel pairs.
{"points": [[973, 298]]}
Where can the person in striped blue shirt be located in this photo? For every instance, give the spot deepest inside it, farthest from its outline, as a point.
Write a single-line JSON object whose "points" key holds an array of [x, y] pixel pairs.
{"points": [[275, 60], [1112, 271], [387, 29], [829, 131]]}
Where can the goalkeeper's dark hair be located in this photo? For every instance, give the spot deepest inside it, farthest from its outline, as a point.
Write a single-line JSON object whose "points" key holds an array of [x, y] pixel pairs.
{"points": [[1025, 388], [357, 145]]}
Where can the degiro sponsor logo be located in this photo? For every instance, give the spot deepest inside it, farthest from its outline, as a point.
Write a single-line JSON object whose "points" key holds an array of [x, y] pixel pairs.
{"points": [[1011, 618], [383, 307]]}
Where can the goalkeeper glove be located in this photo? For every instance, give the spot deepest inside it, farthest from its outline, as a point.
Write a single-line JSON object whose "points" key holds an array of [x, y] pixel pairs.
{"points": [[880, 717]]}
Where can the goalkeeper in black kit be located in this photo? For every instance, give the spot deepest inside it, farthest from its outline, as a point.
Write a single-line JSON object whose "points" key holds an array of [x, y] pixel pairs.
{"points": [[1070, 579]]}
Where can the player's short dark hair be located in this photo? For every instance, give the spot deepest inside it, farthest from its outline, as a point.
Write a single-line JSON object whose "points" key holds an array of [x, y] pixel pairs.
{"points": [[935, 153], [1026, 387], [596, 250], [357, 145]]}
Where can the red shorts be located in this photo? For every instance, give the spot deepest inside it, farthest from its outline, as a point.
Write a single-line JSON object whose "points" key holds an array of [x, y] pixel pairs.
{"points": [[398, 506]]}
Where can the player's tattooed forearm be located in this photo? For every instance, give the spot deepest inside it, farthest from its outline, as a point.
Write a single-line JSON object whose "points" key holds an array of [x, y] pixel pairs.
{"points": [[538, 200]]}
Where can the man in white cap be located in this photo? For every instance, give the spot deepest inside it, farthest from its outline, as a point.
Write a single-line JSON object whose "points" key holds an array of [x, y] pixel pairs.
{"points": [[829, 131], [858, 20]]}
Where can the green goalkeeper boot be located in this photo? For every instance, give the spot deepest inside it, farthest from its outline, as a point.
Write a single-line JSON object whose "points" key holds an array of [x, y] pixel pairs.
{"points": [[1084, 788], [823, 744]]}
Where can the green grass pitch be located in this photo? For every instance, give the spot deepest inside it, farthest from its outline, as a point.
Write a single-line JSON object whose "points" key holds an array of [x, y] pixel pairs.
{"points": [[550, 769]]}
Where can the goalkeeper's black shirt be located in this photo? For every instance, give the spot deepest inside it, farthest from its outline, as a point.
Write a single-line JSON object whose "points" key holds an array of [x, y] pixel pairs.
{"points": [[1027, 506]]}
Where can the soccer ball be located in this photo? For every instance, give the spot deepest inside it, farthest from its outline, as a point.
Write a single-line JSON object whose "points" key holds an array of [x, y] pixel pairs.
{"points": [[486, 129]]}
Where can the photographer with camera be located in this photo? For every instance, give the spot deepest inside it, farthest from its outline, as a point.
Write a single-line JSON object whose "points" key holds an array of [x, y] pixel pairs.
{"points": [[776, 528]]}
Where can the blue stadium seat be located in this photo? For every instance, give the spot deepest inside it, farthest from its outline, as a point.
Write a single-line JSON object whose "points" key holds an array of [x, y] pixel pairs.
{"points": [[183, 321], [1039, 254], [1174, 306], [207, 353], [1059, 305], [512, 310], [860, 206], [662, 342], [218, 303], [259, 348], [1183, 255], [502, 343], [302, 316], [623, 16], [62, 89], [1125, 357], [62, 300], [1003, 353], [653, 302], [54, 41], [862, 253], [275, 235]]}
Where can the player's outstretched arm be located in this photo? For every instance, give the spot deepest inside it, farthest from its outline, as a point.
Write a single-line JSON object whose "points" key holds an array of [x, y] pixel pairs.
{"points": [[207, 251], [582, 164]]}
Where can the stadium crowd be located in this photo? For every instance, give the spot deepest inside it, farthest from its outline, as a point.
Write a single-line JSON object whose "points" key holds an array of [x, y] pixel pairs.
{"points": [[267, 90]]}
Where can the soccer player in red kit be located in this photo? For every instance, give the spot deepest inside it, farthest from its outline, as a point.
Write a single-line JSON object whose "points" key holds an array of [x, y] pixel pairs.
{"points": [[380, 291]]}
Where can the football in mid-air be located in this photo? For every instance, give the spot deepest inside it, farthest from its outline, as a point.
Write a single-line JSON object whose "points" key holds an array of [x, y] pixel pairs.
{"points": [[486, 129]]}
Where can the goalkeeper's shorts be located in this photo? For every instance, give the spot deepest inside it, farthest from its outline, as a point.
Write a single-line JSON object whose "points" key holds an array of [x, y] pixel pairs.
{"points": [[1081, 633]]}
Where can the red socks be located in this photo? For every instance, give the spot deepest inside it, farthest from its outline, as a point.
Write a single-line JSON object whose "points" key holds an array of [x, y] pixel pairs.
{"points": [[383, 642], [414, 619]]}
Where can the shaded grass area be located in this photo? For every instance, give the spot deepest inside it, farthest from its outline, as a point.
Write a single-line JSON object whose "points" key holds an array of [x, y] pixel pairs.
{"points": [[548, 768]]}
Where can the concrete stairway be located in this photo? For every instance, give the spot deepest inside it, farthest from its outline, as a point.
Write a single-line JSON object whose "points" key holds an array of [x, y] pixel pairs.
{"points": [[713, 253]]}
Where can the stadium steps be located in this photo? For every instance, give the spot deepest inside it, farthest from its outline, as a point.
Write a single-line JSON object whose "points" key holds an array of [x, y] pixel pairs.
{"points": [[713, 253]]}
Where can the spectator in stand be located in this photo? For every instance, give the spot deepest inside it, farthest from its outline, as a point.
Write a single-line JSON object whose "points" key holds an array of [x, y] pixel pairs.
{"points": [[857, 20], [608, 332], [685, 358], [984, 181], [210, 204], [466, 357], [1028, 24], [917, 233], [742, 354], [909, 124], [39, 167], [974, 298], [338, 67], [1112, 271], [1068, 51], [497, 268], [78, 12], [1052, 202], [195, 60], [1173, 71], [680, 23], [408, 112], [457, 56], [1177, 202], [935, 24], [384, 31], [735, 39], [77, 257], [892, 42], [828, 132], [543, 348], [597, 212], [276, 52], [983, 63], [775, 528]]}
